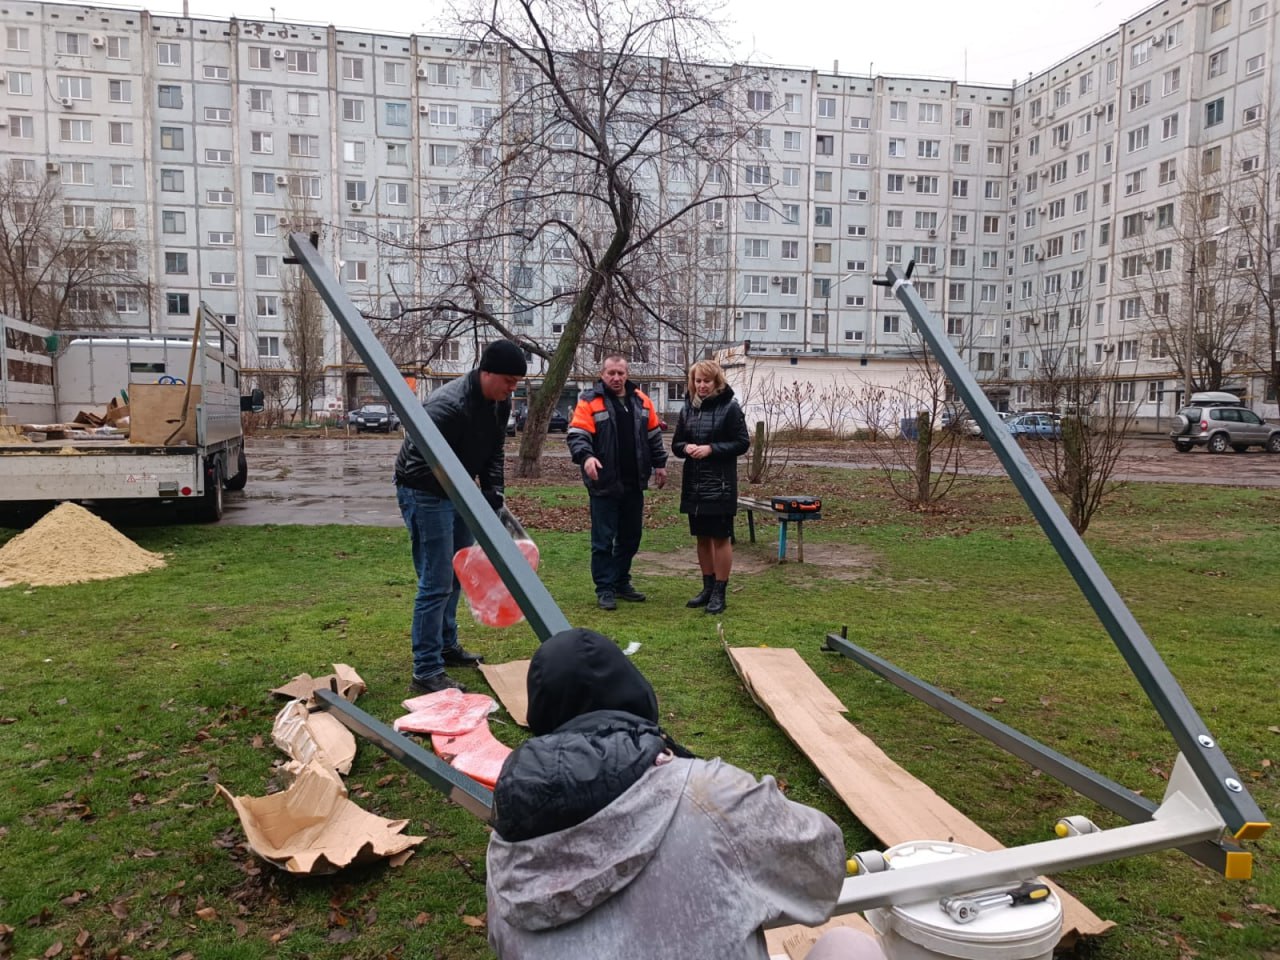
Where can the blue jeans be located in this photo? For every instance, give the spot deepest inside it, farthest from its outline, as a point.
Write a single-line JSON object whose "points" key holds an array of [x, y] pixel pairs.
{"points": [[616, 525], [436, 533]]}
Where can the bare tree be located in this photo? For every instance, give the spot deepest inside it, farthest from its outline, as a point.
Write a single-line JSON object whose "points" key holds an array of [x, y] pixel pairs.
{"points": [[62, 265], [594, 193], [1180, 274]]}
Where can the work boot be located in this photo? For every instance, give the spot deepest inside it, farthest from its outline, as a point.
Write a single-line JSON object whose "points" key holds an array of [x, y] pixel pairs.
{"points": [[708, 581], [435, 683], [629, 593], [605, 600], [457, 657], [716, 603]]}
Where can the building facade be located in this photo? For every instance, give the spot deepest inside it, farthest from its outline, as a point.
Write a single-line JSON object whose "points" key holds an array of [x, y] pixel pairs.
{"points": [[1048, 219]]}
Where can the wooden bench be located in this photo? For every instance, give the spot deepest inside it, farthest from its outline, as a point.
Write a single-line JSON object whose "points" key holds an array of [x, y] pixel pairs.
{"points": [[752, 505]]}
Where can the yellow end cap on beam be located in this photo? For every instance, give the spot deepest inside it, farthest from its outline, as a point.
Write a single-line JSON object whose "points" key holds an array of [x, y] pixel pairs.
{"points": [[1239, 865], [1252, 831], [851, 867], [1060, 830]]}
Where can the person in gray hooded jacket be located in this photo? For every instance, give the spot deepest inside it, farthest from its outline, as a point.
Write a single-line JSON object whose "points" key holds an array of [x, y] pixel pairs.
{"points": [[611, 840]]}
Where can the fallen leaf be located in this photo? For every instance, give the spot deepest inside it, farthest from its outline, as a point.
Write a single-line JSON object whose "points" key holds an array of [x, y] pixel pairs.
{"points": [[390, 778], [118, 910], [997, 699], [83, 937], [256, 742], [72, 899], [143, 853], [207, 913], [54, 950], [473, 921], [239, 926], [422, 919], [341, 935]]}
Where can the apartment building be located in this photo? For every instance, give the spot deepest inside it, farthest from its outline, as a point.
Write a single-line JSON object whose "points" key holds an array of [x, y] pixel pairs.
{"points": [[1023, 207]]}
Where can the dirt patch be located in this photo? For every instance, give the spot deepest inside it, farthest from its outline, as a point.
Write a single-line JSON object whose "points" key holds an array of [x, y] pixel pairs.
{"points": [[71, 545], [832, 561]]}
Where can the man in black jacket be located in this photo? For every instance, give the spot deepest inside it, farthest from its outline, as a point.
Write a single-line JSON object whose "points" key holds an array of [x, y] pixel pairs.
{"points": [[616, 439], [471, 413]]}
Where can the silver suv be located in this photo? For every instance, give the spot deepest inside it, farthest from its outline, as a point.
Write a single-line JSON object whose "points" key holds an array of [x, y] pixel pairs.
{"points": [[1219, 421]]}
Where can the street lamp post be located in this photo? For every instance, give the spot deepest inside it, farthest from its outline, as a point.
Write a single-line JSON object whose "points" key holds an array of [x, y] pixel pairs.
{"points": [[1188, 342]]}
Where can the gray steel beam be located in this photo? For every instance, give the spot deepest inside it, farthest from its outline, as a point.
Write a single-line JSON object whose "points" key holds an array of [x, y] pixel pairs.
{"points": [[1086, 782], [1241, 813], [539, 608], [456, 786]]}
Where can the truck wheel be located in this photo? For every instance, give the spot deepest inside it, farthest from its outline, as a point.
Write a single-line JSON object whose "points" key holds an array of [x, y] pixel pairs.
{"points": [[237, 480], [209, 508]]}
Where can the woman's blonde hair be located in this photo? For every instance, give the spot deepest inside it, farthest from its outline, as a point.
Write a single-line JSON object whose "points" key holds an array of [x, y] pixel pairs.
{"points": [[707, 368]]}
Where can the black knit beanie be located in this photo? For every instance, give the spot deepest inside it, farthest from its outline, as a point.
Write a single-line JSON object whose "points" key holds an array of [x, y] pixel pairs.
{"points": [[504, 357]]}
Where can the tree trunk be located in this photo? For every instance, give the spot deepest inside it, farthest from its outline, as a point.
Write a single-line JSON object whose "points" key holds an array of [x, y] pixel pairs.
{"points": [[924, 458]]}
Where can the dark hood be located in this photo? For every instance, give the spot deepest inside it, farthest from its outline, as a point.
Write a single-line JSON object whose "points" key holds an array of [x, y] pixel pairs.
{"points": [[580, 671]]}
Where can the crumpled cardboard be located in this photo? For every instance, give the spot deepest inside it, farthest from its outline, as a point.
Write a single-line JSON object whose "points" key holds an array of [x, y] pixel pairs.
{"points": [[312, 828], [344, 681], [316, 737]]}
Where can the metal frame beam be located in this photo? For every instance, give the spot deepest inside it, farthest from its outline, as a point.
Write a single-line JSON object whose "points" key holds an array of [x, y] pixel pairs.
{"points": [[1242, 816], [539, 608]]}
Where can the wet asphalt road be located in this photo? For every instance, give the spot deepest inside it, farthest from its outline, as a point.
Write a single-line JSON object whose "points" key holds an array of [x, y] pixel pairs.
{"points": [[348, 481]]}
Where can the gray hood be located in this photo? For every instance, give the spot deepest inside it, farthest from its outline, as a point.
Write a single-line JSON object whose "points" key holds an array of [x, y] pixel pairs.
{"points": [[557, 878]]}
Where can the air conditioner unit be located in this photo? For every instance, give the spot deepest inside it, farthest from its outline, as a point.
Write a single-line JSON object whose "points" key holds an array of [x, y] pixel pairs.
{"points": [[357, 205], [1044, 211], [283, 221], [98, 40], [1035, 121], [422, 73], [67, 102], [52, 168], [1108, 348], [90, 232], [738, 315], [424, 109], [911, 179], [1148, 215], [1048, 118], [282, 180], [776, 281], [1039, 256], [1099, 111], [277, 53], [4, 121], [1157, 41], [933, 268], [718, 224], [954, 236], [933, 233]]}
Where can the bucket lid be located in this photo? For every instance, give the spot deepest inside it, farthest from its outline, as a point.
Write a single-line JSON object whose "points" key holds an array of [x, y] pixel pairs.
{"points": [[1023, 931]]}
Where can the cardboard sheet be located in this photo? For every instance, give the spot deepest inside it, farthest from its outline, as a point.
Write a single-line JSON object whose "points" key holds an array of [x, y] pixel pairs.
{"points": [[889, 801], [796, 941], [509, 681], [317, 737], [312, 827], [344, 681], [156, 412]]}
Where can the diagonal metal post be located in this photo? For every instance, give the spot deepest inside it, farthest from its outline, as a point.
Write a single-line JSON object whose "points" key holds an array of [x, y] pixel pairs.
{"points": [[542, 612], [1243, 818]]}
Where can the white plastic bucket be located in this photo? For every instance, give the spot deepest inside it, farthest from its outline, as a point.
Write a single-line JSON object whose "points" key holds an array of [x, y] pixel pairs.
{"points": [[924, 931]]}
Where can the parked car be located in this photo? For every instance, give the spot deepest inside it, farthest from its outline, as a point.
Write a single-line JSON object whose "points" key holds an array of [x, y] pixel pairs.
{"points": [[1035, 426], [1219, 421], [558, 423], [374, 417], [971, 427]]}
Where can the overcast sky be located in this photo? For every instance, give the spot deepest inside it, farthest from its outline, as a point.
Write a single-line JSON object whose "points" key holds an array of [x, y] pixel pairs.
{"points": [[992, 41]]}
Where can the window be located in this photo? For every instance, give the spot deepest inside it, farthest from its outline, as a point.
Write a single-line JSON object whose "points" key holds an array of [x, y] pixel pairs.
{"points": [[790, 176], [352, 68], [1169, 127], [397, 114], [791, 140], [355, 191], [169, 96], [259, 58], [757, 176], [173, 221], [960, 153], [859, 123], [260, 101], [790, 249], [304, 145], [120, 91], [960, 224], [1211, 160], [897, 110], [857, 196], [756, 248], [755, 211], [222, 238], [1134, 182], [308, 104], [394, 73], [826, 106], [990, 224], [260, 142], [1139, 138], [217, 114], [959, 188], [791, 213], [264, 224], [73, 88], [995, 154], [212, 155], [1082, 163], [897, 146], [822, 253], [761, 100], [1214, 112], [121, 175], [963, 117], [893, 253], [352, 109], [17, 38], [1217, 63], [927, 185], [72, 172], [822, 216], [824, 145], [818, 323], [891, 323], [356, 271], [1251, 115], [754, 320], [789, 287], [175, 263], [1080, 201], [397, 154], [119, 133], [822, 181], [956, 293], [787, 322], [397, 194], [930, 113], [928, 149], [893, 183], [995, 119], [442, 154], [1257, 13], [1164, 216], [1220, 16], [1140, 53], [992, 190], [1140, 95], [268, 347], [171, 181], [124, 218], [75, 131], [755, 284], [791, 103]]}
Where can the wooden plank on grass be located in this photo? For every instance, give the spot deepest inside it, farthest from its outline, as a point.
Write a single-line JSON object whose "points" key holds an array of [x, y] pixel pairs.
{"points": [[888, 800], [510, 683]]}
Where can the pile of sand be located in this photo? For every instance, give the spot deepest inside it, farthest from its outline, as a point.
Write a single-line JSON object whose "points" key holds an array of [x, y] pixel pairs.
{"points": [[71, 545]]}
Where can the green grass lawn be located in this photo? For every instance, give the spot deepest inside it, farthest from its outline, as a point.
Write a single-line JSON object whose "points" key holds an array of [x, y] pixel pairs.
{"points": [[123, 702]]}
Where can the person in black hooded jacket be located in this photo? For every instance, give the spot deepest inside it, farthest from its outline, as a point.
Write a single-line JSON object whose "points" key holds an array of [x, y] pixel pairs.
{"points": [[612, 841], [710, 436]]}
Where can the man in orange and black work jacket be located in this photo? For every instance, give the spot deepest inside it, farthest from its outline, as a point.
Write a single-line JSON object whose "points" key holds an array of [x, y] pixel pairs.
{"points": [[615, 438]]}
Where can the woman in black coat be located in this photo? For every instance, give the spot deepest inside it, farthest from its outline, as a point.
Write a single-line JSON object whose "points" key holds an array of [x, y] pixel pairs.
{"points": [[710, 436]]}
